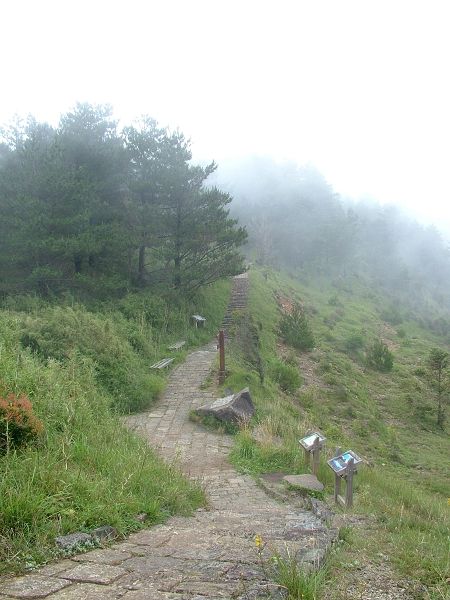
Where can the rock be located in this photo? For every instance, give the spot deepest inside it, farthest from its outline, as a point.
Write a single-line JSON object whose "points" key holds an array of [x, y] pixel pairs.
{"points": [[104, 533], [315, 556], [231, 409], [73, 540], [304, 482], [33, 586], [93, 573], [141, 517], [321, 510]]}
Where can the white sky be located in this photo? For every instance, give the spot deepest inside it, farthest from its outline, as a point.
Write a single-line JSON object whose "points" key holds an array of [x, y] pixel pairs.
{"points": [[359, 88]]}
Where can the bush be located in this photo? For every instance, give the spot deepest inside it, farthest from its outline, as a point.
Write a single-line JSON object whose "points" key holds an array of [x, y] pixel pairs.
{"points": [[18, 424], [287, 376], [355, 341], [420, 372], [295, 329], [153, 310], [58, 332], [334, 300], [379, 357]]}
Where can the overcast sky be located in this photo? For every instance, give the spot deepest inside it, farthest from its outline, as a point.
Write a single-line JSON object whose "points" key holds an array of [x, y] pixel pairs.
{"points": [[359, 88]]}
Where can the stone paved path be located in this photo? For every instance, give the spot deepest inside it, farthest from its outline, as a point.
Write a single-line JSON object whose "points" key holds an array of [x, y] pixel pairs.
{"points": [[208, 556]]}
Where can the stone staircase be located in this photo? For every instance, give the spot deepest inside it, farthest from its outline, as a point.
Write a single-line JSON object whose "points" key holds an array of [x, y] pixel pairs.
{"points": [[237, 304]]}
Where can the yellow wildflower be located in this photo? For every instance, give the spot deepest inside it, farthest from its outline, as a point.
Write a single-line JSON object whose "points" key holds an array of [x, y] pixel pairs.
{"points": [[258, 541]]}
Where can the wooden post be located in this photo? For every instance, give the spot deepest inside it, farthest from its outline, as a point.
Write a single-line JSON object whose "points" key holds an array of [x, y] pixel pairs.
{"points": [[315, 456], [349, 490], [221, 357], [307, 456], [337, 480]]}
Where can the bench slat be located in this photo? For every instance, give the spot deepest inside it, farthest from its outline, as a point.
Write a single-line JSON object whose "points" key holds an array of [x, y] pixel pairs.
{"points": [[177, 345], [165, 362]]}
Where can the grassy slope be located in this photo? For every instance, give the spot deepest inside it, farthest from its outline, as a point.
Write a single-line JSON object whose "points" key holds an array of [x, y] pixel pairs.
{"points": [[380, 416], [87, 470]]}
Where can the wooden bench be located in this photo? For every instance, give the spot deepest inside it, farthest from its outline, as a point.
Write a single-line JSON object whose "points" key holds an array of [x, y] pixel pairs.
{"points": [[176, 346], [162, 364], [198, 320]]}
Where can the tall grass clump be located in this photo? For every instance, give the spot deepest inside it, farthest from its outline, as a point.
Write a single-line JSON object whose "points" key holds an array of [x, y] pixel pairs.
{"points": [[298, 583], [122, 339], [56, 333]]}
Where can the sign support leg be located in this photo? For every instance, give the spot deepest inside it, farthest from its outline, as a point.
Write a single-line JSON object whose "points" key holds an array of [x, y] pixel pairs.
{"points": [[349, 489]]}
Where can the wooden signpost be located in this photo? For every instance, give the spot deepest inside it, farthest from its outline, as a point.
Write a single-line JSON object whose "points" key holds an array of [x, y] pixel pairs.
{"points": [[344, 465], [312, 445], [221, 356]]}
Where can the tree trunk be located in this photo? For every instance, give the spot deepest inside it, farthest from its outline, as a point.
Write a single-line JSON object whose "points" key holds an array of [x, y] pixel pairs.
{"points": [[77, 262], [141, 263], [177, 272], [177, 257]]}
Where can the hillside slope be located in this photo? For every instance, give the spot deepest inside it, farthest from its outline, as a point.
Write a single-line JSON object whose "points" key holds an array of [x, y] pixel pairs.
{"points": [[388, 418]]}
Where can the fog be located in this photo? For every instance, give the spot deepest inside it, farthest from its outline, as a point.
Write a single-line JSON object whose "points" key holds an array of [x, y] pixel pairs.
{"points": [[356, 88], [297, 221]]}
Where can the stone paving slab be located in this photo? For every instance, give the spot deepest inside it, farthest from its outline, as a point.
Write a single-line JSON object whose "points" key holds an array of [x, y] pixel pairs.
{"points": [[208, 556], [33, 586]]}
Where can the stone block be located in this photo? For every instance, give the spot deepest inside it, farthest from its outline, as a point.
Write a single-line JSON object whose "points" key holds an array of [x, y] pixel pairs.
{"points": [[33, 586], [304, 482], [231, 409], [95, 573], [73, 540]]}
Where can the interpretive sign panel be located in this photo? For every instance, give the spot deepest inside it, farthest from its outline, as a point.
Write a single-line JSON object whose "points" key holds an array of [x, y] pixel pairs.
{"points": [[308, 441], [339, 463]]}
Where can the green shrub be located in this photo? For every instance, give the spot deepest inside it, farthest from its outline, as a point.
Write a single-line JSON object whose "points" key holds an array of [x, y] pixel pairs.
{"points": [[152, 310], [420, 372], [355, 341], [286, 375], [58, 332], [379, 357], [341, 392], [334, 300], [295, 329]]}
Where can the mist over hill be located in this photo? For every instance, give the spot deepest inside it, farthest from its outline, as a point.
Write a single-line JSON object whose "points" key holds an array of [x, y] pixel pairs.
{"points": [[297, 221]]}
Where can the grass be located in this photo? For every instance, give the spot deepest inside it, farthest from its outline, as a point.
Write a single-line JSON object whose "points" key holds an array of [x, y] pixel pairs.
{"points": [[86, 469], [121, 339], [388, 418], [213, 423], [299, 584]]}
